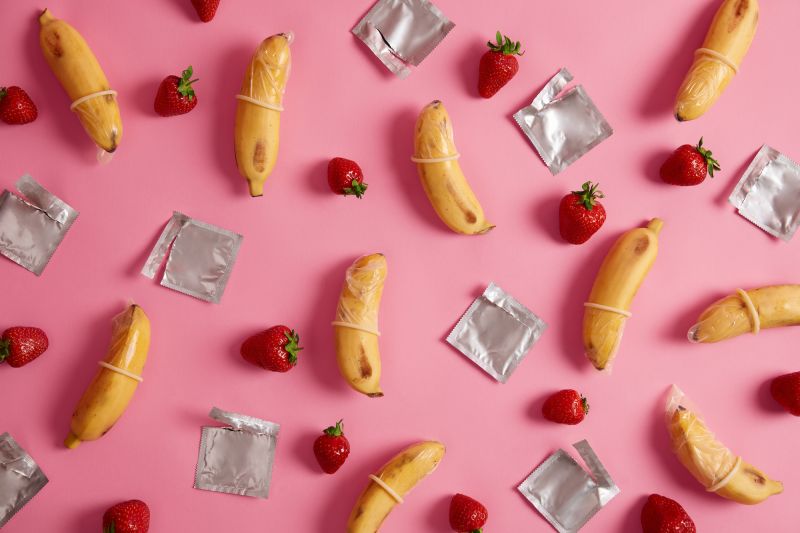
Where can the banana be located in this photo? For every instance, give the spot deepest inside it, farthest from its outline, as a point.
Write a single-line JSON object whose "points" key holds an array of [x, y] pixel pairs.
{"points": [[400, 475], [717, 61], [111, 390], [258, 111], [79, 73], [443, 181], [622, 272], [355, 329], [711, 462]]}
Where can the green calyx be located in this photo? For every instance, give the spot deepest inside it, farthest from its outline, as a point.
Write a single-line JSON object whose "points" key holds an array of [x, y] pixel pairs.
{"points": [[3, 92], [185, 85], [356, 189], [711, 163], [588, 194], [5, 349], [110, 529], [585, 405], [477, 530], [335, 431], [293, 346], [505, 45]]}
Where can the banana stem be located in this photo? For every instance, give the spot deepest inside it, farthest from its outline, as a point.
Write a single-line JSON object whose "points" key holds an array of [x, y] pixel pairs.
{"points": [[655, 225], [72, 441], [45, 17]]}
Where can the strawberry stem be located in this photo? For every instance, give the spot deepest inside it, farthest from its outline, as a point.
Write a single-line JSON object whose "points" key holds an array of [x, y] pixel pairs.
{"points": [[292, 347], [185, 86], [5, 349], [335, 431], [356, 188], [3, 92], [711, 163], [588, 194], [585, 405], [505, 45]]}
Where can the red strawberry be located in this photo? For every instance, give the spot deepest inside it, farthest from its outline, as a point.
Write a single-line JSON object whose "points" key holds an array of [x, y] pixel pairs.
{"points": [[21, 345], [566, 407], [664, 515], [498, 65], [689, 165], [206, 9], [16, 107], [786, 391], [132, 516], [345, 177], [580, 215], [332, 448], [175, 95], [467, 515], [273, 349]]}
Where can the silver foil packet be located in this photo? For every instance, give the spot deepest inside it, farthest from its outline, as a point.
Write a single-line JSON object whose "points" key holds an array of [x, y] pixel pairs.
{"points": [[200, 257], [31, 228], [237, 459], [768, 195], [562, 128], [20, 478], [402, 32], [496, 332], [565, 494]]}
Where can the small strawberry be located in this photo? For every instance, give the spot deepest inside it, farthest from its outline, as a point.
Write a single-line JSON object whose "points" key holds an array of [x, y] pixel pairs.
{"points": [[498, 65], [16, 107], [175, 95], [664, 515], [786, 391], [273, 349], [206, 9], [21, 345], [332, 448], [566, 407], [689, 165], [467, 515], [345, 177], [580, 215], [132, 516]]}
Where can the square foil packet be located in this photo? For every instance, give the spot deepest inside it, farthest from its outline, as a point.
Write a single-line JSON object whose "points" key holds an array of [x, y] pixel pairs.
{"points": [[237, 459], [200, 257], [564, 493], [562, 128], [768, 195], [496, 332], [20, 478], [31, 228], [402, 32]]}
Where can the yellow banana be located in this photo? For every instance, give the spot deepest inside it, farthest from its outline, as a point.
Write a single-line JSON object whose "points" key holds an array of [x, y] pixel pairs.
{"points": [[79, 73], [399, 475], [258, 111], [622, 272], [111, 390], [717, 61], [447, 189]]}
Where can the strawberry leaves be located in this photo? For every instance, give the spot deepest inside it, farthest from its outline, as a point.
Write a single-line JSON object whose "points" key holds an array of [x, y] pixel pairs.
{"points": [[711, 163], [292, 347], [505, 45], [356, 189], [335, 431], [588, 194], [185, 85]]}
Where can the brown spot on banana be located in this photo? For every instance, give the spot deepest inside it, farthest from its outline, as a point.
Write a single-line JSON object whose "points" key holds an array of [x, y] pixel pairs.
{"points": [[469, 215], [642, 244], [364, 368], [259, 156], [54, 43]]}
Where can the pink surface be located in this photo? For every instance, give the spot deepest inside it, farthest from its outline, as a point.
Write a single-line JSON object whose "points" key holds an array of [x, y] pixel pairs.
{"points": [[299, 238]]}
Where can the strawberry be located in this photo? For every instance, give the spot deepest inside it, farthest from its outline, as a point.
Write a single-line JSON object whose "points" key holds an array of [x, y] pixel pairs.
{"points": [[21, 345], [467, 515], [566, 407], [664, 515], [498, 65], [273, 349], [345, 177], [786, 391], [132, 516], [206, 9], [332, 448], [689, 165], [175, 95], [580, 215], [16, 107]]}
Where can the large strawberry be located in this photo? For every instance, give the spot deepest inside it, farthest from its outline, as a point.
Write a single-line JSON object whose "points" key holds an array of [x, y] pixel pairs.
{"points": [[345, 177], [786, 391], [175, 95], [206, 9], [273, 349], [21, 345], [689, 165], [566, 407], [664, 515], [332, 448], [498, 65], [580, 215], [16, 107], [467, 515], [132, 516]]}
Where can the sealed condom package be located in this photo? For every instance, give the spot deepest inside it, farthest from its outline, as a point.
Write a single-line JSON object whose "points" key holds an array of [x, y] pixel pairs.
{"points": [[402, 32], [238, 458], [20, 478], [768, 195], [496, 332], [566, 495], [562, 128], [200, 257], [32, 226]]}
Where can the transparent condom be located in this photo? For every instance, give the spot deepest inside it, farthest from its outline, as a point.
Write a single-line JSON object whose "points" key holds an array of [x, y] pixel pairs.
{"points": [[361, 310], [731, 316], [267, 90]]}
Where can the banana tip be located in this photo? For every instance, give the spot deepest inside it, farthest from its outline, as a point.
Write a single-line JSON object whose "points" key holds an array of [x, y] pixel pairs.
{"points": [[72, 441], [378, 394], [692, 334]]}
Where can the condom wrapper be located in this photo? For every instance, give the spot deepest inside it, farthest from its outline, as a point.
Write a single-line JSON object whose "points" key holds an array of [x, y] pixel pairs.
{"points": [[20, 478], [564, 493], [496, 332], [33, 225], [562, 127], [237, 458]]}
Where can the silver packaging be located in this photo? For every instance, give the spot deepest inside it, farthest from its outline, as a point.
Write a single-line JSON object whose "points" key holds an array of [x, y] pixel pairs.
{"points": [[402, 32], [20, 478], [564, 493], [768, 195], [496, 332], [200, 257], [237, 459], [31, 228], [562, 128]]}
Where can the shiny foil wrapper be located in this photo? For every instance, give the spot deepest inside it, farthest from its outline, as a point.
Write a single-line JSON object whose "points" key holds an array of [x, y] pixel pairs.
{"points": [[237, 459], [32, 225], [562, 128], [402, 32], [496, 332], [200, 257], [565, 494], [20, 478], [768, 195]]}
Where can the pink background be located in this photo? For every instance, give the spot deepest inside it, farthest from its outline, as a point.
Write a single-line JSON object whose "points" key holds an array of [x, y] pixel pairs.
{"points": [[299, 239]]}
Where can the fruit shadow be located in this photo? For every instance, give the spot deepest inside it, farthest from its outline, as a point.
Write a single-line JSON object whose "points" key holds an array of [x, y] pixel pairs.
{"points": [[185, 7], [732, 178], [679, 328], [468, 65], [144, 96], [545, 213], [438, 517], [652, 165], [317, 177], [303, 451], [90, 518], [632, 521], [765, 400], [534, 410]]}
